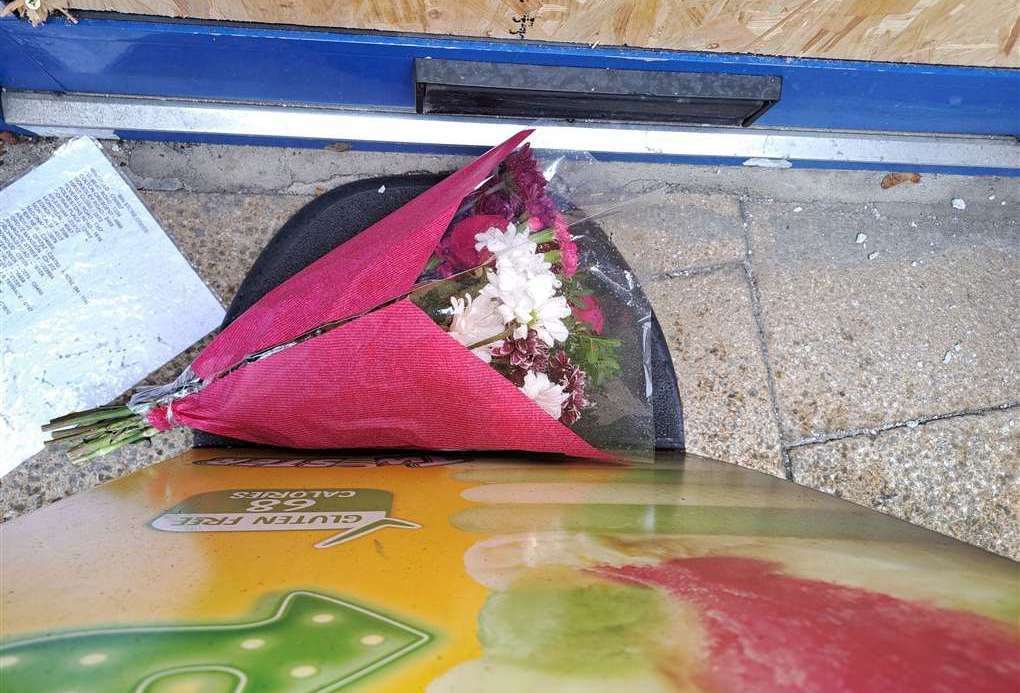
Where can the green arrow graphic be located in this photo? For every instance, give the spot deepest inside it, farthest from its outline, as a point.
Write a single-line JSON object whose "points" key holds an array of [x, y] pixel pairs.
{"points": [[311, 642]]}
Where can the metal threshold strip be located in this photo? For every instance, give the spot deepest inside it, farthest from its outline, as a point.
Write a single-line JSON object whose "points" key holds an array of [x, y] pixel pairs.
{"points": [[46, 113]]}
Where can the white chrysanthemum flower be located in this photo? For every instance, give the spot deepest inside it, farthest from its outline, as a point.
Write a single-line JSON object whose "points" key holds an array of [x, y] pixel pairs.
{"points": [[545, 393], [530, 264], [531, 302], [501, 243], [524, 285], [475, 320], [518, 293], [515, 252], [548, 320]]}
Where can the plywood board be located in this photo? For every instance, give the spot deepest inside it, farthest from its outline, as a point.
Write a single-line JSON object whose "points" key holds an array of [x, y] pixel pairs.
{"points": [[948, 32]]}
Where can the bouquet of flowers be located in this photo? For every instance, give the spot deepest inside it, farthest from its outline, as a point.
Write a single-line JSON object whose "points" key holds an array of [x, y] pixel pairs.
{"points": [[469, 319]]}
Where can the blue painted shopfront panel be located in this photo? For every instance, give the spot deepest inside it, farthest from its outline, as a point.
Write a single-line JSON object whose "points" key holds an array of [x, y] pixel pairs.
{"points": [[374, 70]]}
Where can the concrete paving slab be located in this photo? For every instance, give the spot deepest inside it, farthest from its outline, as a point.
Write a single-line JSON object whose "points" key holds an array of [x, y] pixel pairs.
{"points": [[235, 169], [958, 476], [22, 156], [715, 344], [877, 314], [221, 235], [678, 231], [48, 476]]}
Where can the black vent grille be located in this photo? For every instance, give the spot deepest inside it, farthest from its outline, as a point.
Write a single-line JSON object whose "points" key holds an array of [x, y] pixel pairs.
{"points": [[456, 87]]}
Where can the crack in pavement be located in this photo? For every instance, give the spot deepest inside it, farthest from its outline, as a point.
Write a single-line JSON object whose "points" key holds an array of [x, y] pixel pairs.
{"points": [[694, 270], [871, 432]]}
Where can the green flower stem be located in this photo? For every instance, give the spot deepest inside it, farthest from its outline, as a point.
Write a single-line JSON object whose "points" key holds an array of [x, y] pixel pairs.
{"points": [[66, 434], [88, 417], [433, 263], [544, 236], [108, 445], [98, 431], [111, 439], [495, 338]]}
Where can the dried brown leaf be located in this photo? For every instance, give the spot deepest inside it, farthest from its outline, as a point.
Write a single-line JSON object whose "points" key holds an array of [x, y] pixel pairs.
{"points": [[892, 179]]}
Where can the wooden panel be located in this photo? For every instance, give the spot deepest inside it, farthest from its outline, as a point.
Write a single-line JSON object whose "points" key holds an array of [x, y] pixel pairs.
{"points": [[948, 32]]}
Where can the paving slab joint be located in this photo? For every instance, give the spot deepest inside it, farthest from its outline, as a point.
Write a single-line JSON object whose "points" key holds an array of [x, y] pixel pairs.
{"points": [[759, 322]]}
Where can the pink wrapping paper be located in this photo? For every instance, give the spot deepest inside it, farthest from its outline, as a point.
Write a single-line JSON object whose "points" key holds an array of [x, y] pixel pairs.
{"points": [[379, 263], [391, 378]]}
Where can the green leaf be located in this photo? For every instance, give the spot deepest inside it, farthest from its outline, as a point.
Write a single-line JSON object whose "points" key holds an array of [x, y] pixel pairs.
{"points": [[596, 356], [574, 288]]}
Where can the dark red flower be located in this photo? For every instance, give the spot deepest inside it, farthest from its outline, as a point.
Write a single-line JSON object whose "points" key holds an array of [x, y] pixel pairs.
{"points": [[528, 181], [524, 172], [573, 380], [527, 354], [457, 249], [542, 208], [499, 203]]}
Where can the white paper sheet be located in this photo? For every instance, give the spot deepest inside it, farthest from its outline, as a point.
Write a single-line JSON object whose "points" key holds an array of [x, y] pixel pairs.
{"points": [[93, 294]]}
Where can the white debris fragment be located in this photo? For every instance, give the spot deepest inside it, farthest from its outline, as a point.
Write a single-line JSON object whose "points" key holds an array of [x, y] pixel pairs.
{"points": [[872, 256], [913, 424], [764, 162], [948, 356], [861, 237], [382, 189], [914, 263], [958, 203], [798, 209], [913, 224], [991, 197]]}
